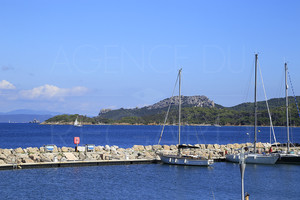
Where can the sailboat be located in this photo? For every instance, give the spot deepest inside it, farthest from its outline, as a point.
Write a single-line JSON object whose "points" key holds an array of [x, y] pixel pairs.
{"points": [[76, 123], [180, 158], [254, 157], [217, 124], [287, 157]]}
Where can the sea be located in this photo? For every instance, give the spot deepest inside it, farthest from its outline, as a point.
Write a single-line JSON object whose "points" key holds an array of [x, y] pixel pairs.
{"points": [[147, 181]]}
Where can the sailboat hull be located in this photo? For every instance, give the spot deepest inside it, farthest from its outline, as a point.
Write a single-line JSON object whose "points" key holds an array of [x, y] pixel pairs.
{"points": [[252, 158], [177, 160], [288, 159]]}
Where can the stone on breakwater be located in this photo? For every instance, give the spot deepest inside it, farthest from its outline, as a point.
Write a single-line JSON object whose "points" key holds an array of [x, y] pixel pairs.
{"points": [[3, 156], [35, 157], [70, 156], [65, 154], [148, 148], [138, 148], [32, 150], [166, 147], [64, 149], [5, 151], [156, 147], [27, 160], [19, 150]]}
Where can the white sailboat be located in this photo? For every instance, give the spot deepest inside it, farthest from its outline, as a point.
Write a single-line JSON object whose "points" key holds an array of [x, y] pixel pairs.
{"points": [[254, 157], [287, 157], [180, 158], [76, 123], [217, 124]]}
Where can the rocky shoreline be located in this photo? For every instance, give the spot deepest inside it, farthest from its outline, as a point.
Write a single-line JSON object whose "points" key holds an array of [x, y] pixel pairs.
{"points": [[106, 153]]}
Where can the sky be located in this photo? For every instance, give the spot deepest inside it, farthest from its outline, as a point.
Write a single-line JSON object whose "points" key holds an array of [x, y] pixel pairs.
{"points": [[83, 56]]}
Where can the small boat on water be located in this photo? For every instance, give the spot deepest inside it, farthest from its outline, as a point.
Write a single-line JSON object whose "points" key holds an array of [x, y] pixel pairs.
{"points": [[76, 123], [181, 158], [252, 156]]}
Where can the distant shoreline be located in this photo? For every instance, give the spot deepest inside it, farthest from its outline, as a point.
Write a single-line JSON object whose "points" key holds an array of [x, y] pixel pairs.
{"points": [[128, 124]]}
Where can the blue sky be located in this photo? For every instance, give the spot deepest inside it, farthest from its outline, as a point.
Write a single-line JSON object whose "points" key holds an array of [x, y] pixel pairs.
{"points": [[80, 57]]}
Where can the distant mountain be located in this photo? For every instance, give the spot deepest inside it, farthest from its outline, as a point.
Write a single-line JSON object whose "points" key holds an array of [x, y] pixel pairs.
{"points": [[26, 115], [186, 101], [23, 118], [30, 112], [157, 108]]}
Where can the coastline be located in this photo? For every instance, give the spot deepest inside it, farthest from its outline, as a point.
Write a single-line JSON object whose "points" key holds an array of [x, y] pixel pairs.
{"points": [[128, 124]]}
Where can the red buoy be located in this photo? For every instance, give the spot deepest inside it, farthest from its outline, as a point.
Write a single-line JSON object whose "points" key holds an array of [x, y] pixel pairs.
{"points": [[76, 140]]}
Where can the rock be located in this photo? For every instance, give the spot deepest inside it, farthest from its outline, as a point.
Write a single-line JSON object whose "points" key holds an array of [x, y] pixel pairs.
{"points": [[35, 157], [195, 101], [209, 146], [148, 148], [48, 156], [173, 147], [63, 159], [112, 148], [5, 151], [55, 149], [70, 156], [19, 150], [42, 150], [44, 159], [166, 147], [120, 150], [260, 145], [138, 148], [3, 156], [216, 146], [59, 157], [2, 162], [27, 160], [64, 149], [98, 149], [115, 146], [107, 148], [156, 147], [81, 156], [32, 150], [236, 146]]}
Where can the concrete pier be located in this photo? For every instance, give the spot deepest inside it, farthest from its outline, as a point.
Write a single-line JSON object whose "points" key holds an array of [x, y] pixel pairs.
{"points": [[76, 164]]}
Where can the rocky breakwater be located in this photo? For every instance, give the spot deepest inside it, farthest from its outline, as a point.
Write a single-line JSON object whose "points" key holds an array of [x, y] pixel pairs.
{"points": [[105, 153]]}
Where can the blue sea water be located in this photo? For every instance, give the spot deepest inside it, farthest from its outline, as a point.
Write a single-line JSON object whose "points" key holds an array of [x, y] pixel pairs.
{"points": [[35, 135], [153, 181]]}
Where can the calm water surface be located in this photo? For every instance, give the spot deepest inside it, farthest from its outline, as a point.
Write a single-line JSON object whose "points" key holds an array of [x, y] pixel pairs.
{"points": [[34, 135], [154, 181]]}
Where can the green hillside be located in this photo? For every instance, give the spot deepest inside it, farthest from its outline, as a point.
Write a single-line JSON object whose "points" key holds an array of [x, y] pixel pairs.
{"points": [[241, 114]]}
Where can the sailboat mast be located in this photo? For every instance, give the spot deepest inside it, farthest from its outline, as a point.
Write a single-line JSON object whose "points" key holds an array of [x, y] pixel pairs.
{"points": [[179, 117], [287, 108], [255, 105]]}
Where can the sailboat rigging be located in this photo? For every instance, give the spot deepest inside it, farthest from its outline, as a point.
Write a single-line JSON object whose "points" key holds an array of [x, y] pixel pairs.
{"points": [[180, 158], [287, 157], [254, 157]]}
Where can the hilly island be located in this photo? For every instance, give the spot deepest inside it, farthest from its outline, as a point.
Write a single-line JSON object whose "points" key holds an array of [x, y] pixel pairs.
{"points": [[196, 110]]}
